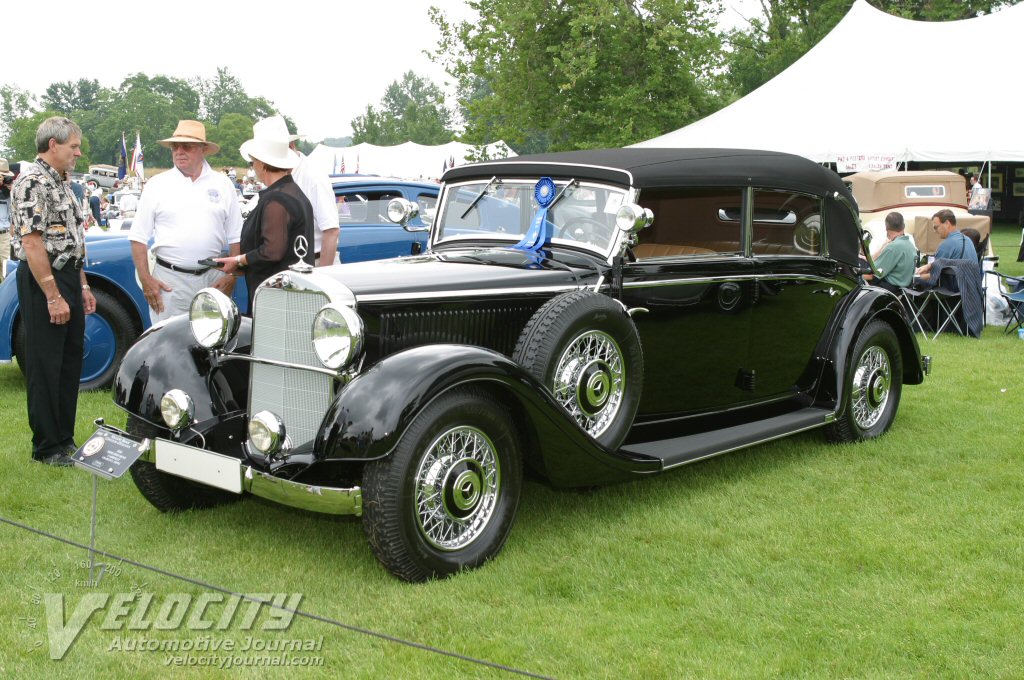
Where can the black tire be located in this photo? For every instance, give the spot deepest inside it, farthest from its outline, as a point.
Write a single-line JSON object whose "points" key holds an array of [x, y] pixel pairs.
{"points": [[586, 350], [871, 391], [170, 493], [428, 515], [113, 324]]}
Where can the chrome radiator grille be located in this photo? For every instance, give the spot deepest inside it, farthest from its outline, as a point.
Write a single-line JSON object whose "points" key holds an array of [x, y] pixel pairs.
{"points": [[282, 320]]}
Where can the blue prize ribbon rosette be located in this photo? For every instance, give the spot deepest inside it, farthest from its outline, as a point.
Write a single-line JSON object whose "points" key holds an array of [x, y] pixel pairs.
{"points": [[539, 233]]}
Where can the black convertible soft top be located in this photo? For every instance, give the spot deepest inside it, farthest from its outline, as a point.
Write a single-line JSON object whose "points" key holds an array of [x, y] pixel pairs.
{"points": [[650, 168]]}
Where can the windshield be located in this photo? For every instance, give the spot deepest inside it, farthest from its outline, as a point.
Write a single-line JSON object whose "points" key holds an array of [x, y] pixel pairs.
{"points": [[501, 210]]}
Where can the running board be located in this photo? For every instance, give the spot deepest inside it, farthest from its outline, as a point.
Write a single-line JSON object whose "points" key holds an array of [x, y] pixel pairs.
{"points": [[694, 447]]}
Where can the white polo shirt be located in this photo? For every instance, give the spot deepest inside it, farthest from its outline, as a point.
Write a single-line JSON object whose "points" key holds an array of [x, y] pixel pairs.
{"points": [[188, 220], [320, 193]]}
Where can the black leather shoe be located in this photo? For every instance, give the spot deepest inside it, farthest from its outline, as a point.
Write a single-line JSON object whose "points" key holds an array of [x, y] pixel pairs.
{"points": [[56, 459], [70, 449]]}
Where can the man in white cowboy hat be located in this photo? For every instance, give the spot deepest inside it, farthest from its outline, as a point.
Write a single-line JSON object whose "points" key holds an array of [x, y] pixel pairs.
{"points": [[6, 177], [191, 213], [315, 185]]}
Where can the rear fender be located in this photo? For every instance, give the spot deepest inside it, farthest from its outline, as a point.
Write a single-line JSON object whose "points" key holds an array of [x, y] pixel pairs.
{"points": [[870, 303]]}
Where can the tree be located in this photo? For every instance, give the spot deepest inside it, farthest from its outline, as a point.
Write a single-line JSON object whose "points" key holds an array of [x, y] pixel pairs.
{"points": [[22, 140], [786, 29], [15, 103], [411, 110], [593, 73], [68, 97], [234, 128], [224, 94]]}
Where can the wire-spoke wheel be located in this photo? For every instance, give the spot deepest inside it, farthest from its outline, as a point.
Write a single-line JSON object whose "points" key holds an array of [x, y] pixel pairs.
{"points": [[446, 498], [586, 350], [589, 381], [874, 381], [456, 488]]}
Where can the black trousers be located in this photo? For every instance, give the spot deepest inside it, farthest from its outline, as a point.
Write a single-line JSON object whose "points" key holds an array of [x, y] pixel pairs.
{"points": [[52, 361]]}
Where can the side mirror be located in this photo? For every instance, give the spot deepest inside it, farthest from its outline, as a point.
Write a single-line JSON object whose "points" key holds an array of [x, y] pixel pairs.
{"points": [[401, 211]]}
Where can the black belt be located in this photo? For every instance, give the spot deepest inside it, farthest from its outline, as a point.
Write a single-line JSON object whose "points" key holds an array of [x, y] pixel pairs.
{"points": [[183, 270]]}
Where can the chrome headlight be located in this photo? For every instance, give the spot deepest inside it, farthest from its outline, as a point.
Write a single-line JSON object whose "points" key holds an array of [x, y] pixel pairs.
{"points": [[266, 433], [214, 318], [177, 409], [400, 211], [337, 335], [632, 218]]}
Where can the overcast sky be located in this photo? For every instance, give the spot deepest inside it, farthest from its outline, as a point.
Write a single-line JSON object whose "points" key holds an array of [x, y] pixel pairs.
{"points": [[320, 62]]}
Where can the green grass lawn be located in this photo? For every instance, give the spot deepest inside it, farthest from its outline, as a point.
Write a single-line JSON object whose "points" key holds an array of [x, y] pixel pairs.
{"points": [[901, 557]]}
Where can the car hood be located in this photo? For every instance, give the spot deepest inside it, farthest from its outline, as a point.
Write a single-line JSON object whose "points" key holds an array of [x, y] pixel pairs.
{"points": [[465, 273]]}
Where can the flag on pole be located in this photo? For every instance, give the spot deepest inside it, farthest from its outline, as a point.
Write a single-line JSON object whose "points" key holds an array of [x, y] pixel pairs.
{"points": [[137, 167], [357, 164], [444, 166], [343, 162], [451, 163], [334, 165], [122, 159]]}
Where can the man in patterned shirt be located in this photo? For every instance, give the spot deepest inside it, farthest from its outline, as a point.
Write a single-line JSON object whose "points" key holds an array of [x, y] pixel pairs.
{"points": [[48, 234]]}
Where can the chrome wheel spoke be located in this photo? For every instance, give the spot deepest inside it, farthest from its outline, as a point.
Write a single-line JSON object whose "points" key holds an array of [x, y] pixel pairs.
{"points": [[872, 380], [456, 488], [589, 381]]}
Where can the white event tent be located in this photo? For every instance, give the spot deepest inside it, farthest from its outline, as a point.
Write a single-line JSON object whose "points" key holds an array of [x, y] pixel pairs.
{"points": [[880, 90], [408, 160]]}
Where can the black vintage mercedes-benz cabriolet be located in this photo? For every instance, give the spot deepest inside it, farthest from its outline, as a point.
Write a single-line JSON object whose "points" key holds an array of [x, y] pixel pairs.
{"points": [[592, 315]]}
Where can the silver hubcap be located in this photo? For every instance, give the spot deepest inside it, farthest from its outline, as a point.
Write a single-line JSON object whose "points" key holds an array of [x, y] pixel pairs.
{"points": [[589, 381], [872, 381], [457, 485]]}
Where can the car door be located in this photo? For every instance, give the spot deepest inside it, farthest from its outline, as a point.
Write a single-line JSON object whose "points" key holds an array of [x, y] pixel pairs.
{"points": [[694, 285], [798, 290], [366, 232]]}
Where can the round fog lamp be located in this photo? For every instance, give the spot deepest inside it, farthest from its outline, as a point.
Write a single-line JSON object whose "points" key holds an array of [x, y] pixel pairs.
{"points": [[337, 335], [177, 409], [213, 317], [266, 433]]}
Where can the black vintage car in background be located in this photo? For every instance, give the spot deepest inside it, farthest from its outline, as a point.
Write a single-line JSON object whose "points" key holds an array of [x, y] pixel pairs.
{"points": [[593, 315]]}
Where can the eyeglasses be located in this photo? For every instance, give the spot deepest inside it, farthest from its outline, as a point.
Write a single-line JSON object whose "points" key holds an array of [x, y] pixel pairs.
{"points": [[185, 146]]}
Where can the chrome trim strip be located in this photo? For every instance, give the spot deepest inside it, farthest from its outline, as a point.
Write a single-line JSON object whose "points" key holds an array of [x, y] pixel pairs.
{"points": [[830, 417], [322, 499], [722, 279], [275, 362], [449, 294]]}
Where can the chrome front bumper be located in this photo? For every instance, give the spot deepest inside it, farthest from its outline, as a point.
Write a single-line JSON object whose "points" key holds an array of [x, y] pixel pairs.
{"points": [[234, 475]]}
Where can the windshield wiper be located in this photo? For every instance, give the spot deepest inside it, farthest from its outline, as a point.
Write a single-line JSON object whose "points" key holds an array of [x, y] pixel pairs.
{"points": [[479, 196]]}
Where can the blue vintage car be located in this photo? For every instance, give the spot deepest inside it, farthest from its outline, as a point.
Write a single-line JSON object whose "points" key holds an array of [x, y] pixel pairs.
{"points": [[121, 311]]}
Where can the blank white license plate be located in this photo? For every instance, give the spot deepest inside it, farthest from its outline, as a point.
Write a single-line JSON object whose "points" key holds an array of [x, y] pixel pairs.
{"points": [[207, 467]]}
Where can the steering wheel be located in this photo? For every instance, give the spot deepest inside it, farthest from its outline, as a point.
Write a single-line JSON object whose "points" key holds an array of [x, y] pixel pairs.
{"points": [[590, 229]]}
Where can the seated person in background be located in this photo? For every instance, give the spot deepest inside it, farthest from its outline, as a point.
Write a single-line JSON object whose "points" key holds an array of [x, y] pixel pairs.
{"points": [[975, 237], [896, 258], [954, 246]]}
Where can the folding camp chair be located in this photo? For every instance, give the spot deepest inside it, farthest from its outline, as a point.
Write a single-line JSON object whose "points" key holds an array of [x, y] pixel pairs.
{"points": [[914, 303], [1011, 289]]}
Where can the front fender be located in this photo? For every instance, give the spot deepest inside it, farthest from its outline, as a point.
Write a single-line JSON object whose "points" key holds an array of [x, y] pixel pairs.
{"points": [[870, 303], [370, 415], [8, 312], [167, 356]]}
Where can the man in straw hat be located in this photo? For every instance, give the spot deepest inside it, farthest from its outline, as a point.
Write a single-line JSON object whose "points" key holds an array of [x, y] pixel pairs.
{"points": [[315, 185], [191, 212]]}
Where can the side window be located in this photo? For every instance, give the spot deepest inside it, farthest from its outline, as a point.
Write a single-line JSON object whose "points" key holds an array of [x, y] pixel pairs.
{"points": [[786, 223], [352, 207], [692, 222], [428, 206]]}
